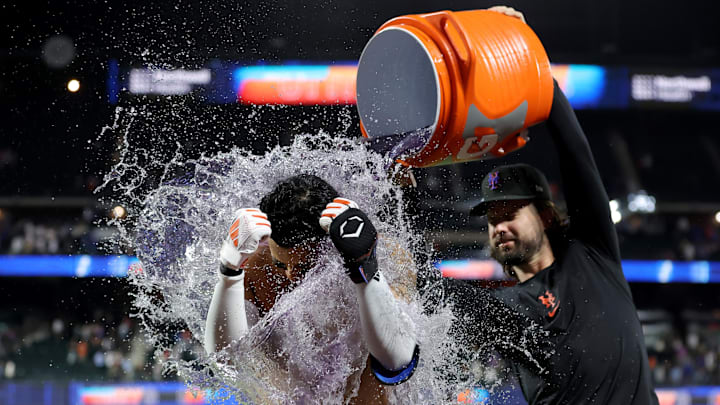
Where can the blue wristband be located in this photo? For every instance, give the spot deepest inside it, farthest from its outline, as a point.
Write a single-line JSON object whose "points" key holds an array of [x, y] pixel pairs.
{"points": [[394, 377]]}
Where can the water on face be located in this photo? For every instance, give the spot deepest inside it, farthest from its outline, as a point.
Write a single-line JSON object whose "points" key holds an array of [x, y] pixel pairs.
{"points": [[308, 348]]}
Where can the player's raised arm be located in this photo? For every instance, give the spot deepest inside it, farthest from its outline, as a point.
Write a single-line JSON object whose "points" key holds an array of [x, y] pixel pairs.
{"points": [[388, 330], [226, 320], [587, 200], [588, 205]]}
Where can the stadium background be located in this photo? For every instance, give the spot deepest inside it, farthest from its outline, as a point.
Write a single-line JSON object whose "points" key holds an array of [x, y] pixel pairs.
{"points": [[644, 78]]}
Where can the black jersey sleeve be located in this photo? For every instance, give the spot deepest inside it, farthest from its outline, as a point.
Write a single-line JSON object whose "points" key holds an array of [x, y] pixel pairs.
{"points": [[587, 200], [484, 322]]}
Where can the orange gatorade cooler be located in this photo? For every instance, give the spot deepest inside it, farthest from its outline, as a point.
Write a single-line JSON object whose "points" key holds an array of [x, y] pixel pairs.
{"points": [[449, 87]]}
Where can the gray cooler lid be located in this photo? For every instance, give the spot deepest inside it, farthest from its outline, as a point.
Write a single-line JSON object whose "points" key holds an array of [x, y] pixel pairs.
{"points": [[398, 89]]}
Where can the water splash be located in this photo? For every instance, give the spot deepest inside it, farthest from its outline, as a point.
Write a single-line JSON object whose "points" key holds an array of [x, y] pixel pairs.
{"points": [[308, 348]]}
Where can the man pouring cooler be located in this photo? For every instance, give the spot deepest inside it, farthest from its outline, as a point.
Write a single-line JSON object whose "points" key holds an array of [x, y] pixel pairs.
{"points": [[477, 94]]}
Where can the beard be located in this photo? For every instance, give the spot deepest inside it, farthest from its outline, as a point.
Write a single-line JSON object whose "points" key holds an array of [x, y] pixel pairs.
{"points": [[521, 251]]}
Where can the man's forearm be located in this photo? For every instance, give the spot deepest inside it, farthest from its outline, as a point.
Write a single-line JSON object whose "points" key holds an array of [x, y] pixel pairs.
{"points": [[226, 320], [483, 320], [388, 330]]}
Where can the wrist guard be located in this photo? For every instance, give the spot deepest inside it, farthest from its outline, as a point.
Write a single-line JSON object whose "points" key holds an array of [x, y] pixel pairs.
{"points": [[355, 238], [230, 272]]}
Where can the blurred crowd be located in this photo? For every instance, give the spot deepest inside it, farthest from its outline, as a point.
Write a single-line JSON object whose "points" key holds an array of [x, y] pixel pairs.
{"points": [[641, 236], [685, 354], [81, 233], [112, 348], [669, 237]]}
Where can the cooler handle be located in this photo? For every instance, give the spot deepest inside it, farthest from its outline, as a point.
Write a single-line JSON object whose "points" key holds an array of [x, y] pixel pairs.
{"points": [[459, 43]]}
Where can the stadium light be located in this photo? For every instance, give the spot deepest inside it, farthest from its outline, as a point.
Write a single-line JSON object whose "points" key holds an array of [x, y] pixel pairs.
{"points": [[73, 85], [118, 212], [641, 202], [615, 214], [717, 217]]}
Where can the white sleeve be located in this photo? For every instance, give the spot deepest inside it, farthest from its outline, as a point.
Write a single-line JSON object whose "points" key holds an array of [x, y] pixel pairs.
{"points": [[388, 330], [226, 319]]}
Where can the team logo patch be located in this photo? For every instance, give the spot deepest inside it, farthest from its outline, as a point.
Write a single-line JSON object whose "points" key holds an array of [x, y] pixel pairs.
{"points": [[355, 226], [494, 180], [551, 303]]}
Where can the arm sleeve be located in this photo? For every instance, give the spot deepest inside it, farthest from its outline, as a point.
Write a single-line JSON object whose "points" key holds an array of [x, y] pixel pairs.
{"points": [[388, 331], [226, 320], [587, 201], [484, 321]]}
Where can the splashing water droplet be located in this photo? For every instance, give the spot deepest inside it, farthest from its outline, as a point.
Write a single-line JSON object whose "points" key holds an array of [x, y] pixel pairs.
{"points": [[308, 347]]}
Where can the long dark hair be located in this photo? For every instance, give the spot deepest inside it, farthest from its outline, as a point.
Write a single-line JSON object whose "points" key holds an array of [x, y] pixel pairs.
{"points": [[558, 224]]}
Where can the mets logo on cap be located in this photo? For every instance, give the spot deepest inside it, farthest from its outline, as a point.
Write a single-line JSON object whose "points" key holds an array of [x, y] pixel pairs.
{"points": [[494, 180]]}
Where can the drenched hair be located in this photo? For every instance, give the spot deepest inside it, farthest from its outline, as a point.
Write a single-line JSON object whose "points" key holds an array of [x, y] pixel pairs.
{"points": [[294, 207], [556, 229]]}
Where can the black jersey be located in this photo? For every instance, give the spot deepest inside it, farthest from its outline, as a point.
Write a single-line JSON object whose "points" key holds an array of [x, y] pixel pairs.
{"points": [[591, 347]]}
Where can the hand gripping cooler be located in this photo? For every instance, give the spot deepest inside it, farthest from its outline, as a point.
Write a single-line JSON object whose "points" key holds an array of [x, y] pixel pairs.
{"points": [[449, 87]]}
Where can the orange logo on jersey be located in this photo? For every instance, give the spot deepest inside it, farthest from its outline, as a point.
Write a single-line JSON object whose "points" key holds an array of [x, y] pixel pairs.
{"points": [[548, 299]]}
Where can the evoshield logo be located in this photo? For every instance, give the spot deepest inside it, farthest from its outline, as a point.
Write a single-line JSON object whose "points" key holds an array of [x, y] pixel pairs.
{"points": [[351, 234]]}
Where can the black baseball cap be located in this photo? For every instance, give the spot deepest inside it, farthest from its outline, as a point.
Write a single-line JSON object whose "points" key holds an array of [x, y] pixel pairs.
{"points": [[512, 182]]}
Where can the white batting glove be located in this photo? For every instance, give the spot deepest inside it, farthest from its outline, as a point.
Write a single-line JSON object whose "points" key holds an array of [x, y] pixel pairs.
{"points": [[333, 209], [248, 229]]}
